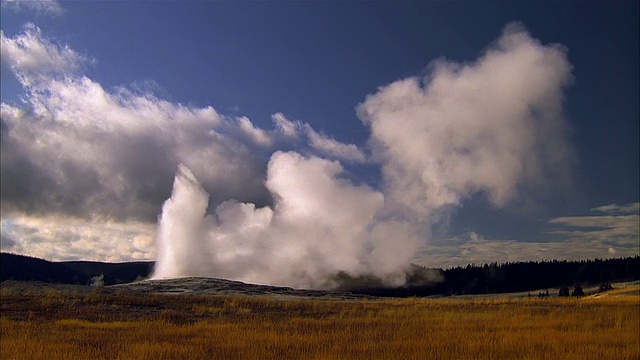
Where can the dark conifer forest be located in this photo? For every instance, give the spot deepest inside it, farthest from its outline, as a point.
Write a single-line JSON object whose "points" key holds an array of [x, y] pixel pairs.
{"points": [[519, 277]]}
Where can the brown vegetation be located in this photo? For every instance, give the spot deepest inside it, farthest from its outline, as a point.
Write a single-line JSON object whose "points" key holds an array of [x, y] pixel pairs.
{"points": [[102, 324]]}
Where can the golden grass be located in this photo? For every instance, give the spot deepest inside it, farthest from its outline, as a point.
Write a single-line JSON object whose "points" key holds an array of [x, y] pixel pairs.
{"points": [[123, 326]]}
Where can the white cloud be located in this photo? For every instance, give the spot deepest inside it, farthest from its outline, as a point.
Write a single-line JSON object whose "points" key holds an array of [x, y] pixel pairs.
{"points": [[491, 126], [333, 148], [614, 208], [64, 238], [258, 136], [33, 58], [619, 228], [573, 238], [77, 151], [289, 129], [76, 148], [621, 221], [50, 7], [473, 248], [319, 143]]}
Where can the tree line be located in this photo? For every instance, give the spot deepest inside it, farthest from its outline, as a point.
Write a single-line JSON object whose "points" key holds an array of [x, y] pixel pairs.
{"points": [[522, 277]]}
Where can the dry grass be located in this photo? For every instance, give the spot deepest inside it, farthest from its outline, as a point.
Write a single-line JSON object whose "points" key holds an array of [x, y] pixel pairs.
{"points": [[103, 325]]}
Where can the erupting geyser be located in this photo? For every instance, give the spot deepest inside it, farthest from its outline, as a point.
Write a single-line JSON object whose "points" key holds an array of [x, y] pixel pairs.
{"points": [[493, 126], [321, 225]]}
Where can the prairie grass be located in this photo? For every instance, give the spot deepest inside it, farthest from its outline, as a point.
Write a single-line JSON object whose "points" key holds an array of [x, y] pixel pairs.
{"points": [[111, 325]]}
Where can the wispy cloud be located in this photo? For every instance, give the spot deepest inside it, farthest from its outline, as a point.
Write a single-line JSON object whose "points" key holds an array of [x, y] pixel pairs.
{"points": [[621, 209], [620, 231], [33, 58], [49, 7], [333, 148], [287, 128], [260, 137], [319, 143], [474, 248], [570, 238]]}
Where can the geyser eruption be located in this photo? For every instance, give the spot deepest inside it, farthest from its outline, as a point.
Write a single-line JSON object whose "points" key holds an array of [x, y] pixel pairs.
{"points": [[181, 242], [321, 225], [493, 126]]}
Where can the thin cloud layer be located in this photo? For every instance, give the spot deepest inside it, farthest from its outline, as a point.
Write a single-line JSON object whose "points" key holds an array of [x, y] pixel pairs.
{"points": [[618, 228], [50, 7], [619, 209], [474, 248], [571, 238]]}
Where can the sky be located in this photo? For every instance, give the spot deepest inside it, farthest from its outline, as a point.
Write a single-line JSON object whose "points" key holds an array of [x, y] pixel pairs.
{"points": [[322, 137]]}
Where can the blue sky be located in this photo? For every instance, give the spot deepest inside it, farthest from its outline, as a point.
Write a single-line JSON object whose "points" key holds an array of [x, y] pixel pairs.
{"points": [[314, 64]]}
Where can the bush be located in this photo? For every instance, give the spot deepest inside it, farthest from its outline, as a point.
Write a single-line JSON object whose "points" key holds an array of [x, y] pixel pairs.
{"points": [[577, 291], [605, 287], [564, 291]]}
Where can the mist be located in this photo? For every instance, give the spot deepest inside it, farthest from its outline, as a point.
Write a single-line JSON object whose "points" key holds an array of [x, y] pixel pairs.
{"points": [[493, 126]]}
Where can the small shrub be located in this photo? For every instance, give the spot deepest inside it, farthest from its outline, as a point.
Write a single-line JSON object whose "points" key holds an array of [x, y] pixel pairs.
{"points": [[564, 291], [605, 287], [577, 291]]}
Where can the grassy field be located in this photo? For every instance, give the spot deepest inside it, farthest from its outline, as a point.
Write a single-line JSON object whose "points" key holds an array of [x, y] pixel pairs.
{"points": [[54, 324]]}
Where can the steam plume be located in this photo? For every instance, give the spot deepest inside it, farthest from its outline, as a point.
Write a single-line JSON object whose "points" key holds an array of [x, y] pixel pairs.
{"points": [[493, 126], [320, 225]]}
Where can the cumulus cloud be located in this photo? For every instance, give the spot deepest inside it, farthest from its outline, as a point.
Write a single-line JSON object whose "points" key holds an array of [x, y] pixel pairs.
{"points": [[50, 7], [491, 126], [75, 149], [79, 149]]}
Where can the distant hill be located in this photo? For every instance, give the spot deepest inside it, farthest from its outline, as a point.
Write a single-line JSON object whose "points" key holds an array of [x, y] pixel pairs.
{"points": [[26, 268]]}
